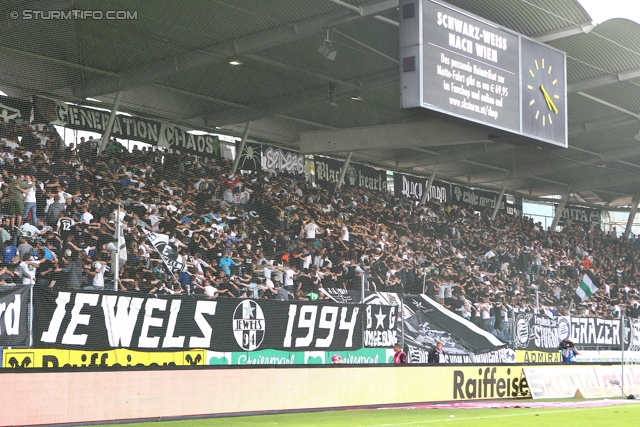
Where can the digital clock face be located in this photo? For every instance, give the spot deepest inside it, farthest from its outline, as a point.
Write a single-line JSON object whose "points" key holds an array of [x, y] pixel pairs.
{"points": [[543, 92]]}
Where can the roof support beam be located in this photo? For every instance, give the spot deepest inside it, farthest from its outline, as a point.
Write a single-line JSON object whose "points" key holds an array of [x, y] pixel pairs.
{"points": [[343, 171], [452, 154], [600, 125], [240, 149], [562, 33], [556, 164], [498, 200], [610, 105], [364, 9], [582, 85], [632, 216], [152, 71], [560, 208], [594, 183], [427, 190], [409, 135]]}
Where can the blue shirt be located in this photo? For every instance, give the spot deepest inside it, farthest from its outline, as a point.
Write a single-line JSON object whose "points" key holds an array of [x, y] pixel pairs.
{"points": [[225, 263]]}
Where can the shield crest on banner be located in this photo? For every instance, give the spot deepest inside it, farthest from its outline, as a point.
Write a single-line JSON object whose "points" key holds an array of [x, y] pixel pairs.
{"points": [[248, 325]]}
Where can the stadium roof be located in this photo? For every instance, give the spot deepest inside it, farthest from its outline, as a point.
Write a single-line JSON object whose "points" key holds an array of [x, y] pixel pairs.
{"points": [[172, 63]]}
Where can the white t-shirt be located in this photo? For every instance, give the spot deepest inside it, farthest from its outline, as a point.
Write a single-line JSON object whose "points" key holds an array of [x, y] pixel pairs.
{"points": [[98, 279], [310, 230], [345, 231], [210, 291], [28, 273], [30, 196], [87, 217], [288, 277], [63, 196]]}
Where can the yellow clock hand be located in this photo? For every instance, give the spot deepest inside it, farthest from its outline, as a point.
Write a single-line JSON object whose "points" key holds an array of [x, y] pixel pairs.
{"points": [[546, 98], [550, 103]]}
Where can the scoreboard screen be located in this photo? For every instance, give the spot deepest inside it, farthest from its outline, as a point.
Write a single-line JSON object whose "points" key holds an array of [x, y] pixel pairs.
{"points": [[458, 64]]}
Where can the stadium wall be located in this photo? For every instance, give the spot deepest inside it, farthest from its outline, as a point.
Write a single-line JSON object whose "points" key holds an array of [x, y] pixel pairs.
{"points": [[50, 397]]}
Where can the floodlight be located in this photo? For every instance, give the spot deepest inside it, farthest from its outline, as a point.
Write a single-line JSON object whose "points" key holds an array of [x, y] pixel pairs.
{"points": [[326, 49]]}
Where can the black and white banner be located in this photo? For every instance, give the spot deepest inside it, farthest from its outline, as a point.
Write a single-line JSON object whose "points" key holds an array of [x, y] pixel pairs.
{"points": [[283, 160], [14, 109], [172, 259], [127, 127], [480, 199], [589, 330], [634, 335], [356, 175], [343, 296], [250, 157], [380, 326], [536, 332], [413, 187], [14, 315], [427, 322], [579, 214], [107, 320]]}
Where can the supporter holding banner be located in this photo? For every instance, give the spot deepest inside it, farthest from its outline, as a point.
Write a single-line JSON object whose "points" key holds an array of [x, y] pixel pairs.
{"points": [[172, 259], [328, 170], [536, 332], [274, 158], [589, 285], [107, 320], [14, 318], [413, 187]]}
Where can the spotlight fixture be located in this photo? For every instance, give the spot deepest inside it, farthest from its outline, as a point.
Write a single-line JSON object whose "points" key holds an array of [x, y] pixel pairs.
{"points": [[331, 95], [326, 49], [235, 61], [356, 97]]}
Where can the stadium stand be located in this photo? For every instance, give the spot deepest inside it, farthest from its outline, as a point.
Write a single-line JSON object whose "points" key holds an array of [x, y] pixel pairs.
{"points": [[289, 239]]}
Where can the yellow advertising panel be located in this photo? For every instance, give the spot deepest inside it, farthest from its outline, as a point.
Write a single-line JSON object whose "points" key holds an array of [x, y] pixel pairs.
{"points": [[532, 357], [54, 358]]}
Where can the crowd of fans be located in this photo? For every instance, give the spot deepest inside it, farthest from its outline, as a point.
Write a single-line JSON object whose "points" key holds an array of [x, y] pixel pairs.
{"points": [[290, 240]]}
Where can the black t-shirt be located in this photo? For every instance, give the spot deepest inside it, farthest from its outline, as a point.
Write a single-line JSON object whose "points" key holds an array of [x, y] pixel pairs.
{"points": [[44, 266], [58, 276], [66, 227]]}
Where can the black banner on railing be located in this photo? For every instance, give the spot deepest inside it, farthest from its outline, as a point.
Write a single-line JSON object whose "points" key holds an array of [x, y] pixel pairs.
{"points": [[106, 320], [536, 332], [356, 175], [413, 187], [126, 127], [380, 326], [14, 109], [14, 316], [283, 160], [578, 214], [250, 157], [479, 199]]}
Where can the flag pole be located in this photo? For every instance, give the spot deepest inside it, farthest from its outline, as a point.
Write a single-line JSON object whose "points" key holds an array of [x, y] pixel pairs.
{"points": [[116, 274], [622, 346]]}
